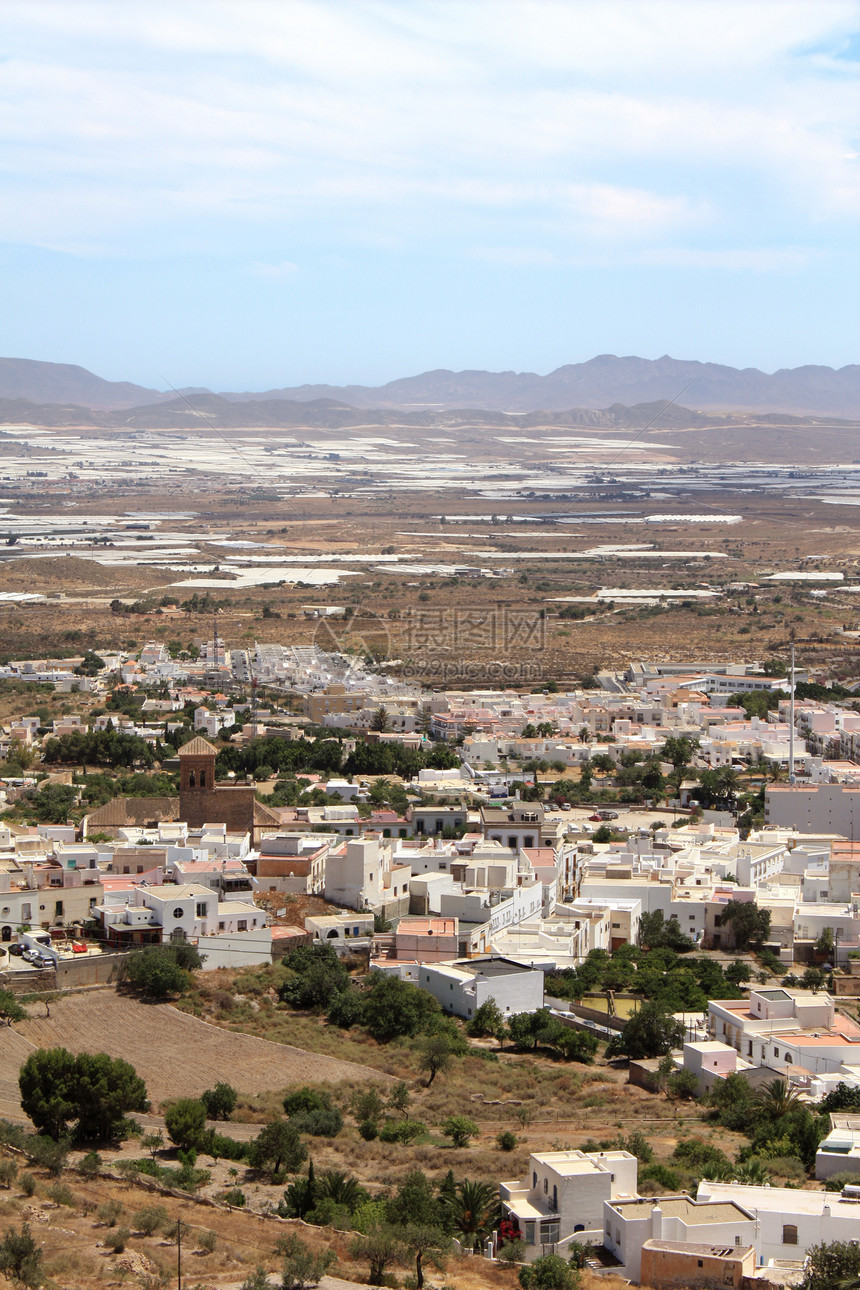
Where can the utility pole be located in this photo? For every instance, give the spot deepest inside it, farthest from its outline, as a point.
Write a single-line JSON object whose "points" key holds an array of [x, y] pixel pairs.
{"points": [[179, 1253], [791, 716]]}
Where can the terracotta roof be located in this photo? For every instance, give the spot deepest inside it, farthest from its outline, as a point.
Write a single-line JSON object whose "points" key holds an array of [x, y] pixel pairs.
{"points": [[198, 747], [124, 811]]}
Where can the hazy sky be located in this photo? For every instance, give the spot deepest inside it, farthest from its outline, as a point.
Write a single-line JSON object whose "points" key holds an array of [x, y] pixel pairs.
{"points": [[246, 195]]}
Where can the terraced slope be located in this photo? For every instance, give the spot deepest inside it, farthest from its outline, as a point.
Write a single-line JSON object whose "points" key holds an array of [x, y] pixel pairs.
{"points": [[177, 1055]]}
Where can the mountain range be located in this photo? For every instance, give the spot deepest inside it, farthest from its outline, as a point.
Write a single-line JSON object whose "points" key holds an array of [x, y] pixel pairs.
{"points": [[598, 383]]}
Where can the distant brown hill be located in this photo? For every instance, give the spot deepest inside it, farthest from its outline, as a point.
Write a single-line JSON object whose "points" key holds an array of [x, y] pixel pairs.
{"points": [[26, 378], [605, 380], [601, 383]]}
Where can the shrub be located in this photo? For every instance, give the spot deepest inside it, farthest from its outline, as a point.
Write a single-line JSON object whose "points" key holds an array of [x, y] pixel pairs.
{"points": [[235, 1197], [207, 1241], [90, 1165], [403, 1131], [8, 1173], [109, 1212], [460, 1129], [28, 1184], [150, 1219], [506, 1140], [156, 971], [117, 1239], [61, 1194], [324, 1123], [368, 1130], [682, 1085], [549, 1272], [305, 1099]]}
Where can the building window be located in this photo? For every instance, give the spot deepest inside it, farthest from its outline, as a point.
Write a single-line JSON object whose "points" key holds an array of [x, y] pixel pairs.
{"points": [[545, 1185], [549, 1232], [789, 1234], [58, 909], [202, 909], [178, 911], [534, 1176], [530, 1233], [242, 924]]}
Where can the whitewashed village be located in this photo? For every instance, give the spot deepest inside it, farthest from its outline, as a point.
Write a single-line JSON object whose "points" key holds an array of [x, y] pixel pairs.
{"points": [[518, 858]]}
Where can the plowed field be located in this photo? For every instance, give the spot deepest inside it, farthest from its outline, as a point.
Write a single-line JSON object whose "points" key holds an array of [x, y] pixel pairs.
{"points": [[177, 1055]]}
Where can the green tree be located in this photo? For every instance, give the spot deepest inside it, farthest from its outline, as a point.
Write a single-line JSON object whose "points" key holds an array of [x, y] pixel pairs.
{"points": [[487, 1021], [436, 1053], [278, 1146], [381, 1247], [220, 1101], [394, 1008], [460, 1129], [650, 1032], [301, 1267], [154, 971], [47, 1085], [185, 1121], [320, 975], [93, 1092], [380, 721], [21, 1258], [749, 924], [400, 1097], [833, 1264], [425, 1241], [473, 1210], [106, 1089]]}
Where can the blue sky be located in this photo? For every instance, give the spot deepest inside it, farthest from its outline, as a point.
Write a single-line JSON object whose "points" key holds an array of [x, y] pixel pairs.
{"points": [[247, 195]]}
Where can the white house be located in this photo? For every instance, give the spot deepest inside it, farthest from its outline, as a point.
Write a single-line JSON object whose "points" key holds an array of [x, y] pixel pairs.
{"points": [[788, 1222], [563, 1195], [461, 987], [629, 1223]]}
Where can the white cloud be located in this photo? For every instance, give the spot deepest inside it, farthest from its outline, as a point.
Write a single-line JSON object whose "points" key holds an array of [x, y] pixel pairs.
{"points": [[575, 118]]}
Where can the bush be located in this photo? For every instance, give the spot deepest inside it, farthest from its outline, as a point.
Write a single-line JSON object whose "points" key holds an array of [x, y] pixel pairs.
{"points": [[8, 1173], [90, 1165], [235, 1197], [27, 1184], [117, 1239], [305, 1099], [506, 1140], [150, 1219], [324, 1123], [368, 1130], [207, 1241], [460, 1129], [61, 1194], [157, 972], [109, 1212], [403, 1131], [549, 1272], [683, 1085]]}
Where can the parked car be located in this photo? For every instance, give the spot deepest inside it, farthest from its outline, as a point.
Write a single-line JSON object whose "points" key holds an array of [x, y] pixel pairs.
{"points": [[598, 818], [608, 815], [29, 956], [16, 949]]}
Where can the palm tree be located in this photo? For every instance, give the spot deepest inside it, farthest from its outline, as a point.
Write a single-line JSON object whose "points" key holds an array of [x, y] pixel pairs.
{"points": [[342, 1188], [474, 1209], [777, 1097]]}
